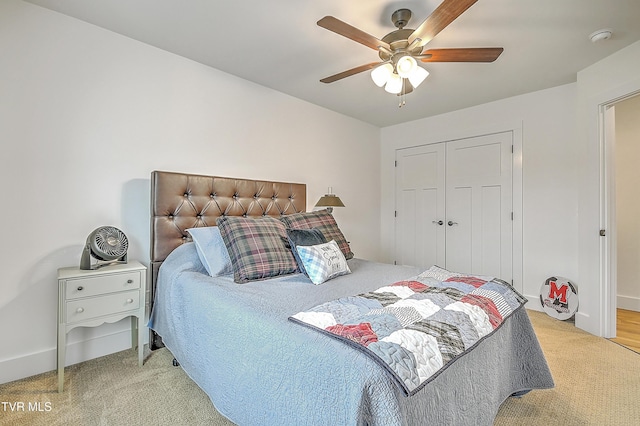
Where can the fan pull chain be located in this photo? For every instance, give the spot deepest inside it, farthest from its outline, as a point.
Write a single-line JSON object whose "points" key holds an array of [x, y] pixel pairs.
{"points": [[403, 93]]}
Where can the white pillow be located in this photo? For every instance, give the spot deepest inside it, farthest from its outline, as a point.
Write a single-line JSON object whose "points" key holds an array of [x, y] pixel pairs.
{"points": [[211, 250], [323, 261]]}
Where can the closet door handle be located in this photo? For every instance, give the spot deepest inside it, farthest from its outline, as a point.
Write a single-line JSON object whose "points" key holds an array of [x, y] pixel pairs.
{"points": [[437, 222], [451, 223]]}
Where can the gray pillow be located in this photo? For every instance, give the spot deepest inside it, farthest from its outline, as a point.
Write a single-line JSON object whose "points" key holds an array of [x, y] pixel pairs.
{"points": [[304, 237]]}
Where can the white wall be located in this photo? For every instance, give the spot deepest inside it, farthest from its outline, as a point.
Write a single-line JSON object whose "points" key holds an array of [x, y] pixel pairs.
{"points": [[627, 147], [603, 82], [549, 202], [86, 115]]}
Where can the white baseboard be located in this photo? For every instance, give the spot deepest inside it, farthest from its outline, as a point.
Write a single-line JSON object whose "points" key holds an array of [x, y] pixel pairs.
{"points": [[533, 303], [41, 362], [628, 302]]}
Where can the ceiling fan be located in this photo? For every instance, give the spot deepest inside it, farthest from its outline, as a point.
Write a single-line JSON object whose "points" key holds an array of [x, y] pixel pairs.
{"points": [[400, 50]]}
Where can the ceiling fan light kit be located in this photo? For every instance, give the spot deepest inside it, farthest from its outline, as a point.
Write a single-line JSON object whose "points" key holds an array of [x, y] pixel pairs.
{"points": [[401, 49]]}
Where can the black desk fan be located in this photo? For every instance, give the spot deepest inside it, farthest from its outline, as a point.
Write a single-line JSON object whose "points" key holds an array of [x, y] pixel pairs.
{"points": [[108, 245]]}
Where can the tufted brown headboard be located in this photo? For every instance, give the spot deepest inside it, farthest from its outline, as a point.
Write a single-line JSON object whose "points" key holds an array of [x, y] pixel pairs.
{"points": [[181, 201]]}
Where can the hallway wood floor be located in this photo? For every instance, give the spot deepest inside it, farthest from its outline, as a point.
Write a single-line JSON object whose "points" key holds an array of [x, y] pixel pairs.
{"points": [[628, 329]]}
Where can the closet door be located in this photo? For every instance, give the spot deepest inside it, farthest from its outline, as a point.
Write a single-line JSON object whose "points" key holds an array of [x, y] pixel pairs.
{"points": [[420, 206], [479, 205], [454, 204]]}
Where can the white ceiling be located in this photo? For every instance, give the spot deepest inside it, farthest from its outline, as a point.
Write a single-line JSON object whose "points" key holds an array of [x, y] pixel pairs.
{"points": [[276, 43]]}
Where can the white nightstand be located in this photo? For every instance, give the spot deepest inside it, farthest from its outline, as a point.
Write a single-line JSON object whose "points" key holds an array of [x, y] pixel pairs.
{"points": [[88, 298]]}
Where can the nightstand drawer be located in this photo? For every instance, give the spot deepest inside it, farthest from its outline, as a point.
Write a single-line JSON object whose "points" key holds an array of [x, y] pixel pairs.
{"points": [[101, 284], [93, 307]]}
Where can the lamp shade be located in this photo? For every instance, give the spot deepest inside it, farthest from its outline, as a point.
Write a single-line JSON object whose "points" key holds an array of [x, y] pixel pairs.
{"points": [[394, 85], [381, 74], [418, 76], [406, 66], [329, 200]]}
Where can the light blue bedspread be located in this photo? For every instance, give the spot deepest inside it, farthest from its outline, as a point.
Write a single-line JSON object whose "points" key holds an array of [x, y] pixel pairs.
{"points": [[258, 368]]}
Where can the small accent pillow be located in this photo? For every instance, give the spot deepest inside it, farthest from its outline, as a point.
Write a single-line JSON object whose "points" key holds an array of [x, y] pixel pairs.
{"points": [[211, 250], [438, 273], [322, 220], [304, 237], [323, 261], [258, 247]]}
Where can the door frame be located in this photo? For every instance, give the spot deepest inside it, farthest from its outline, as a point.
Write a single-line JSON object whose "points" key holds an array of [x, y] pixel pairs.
{"points": [[608, 245], [515, 127]]}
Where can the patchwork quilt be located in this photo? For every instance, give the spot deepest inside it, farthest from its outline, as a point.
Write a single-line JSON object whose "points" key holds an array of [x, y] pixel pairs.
{"points": [[416, 328]]}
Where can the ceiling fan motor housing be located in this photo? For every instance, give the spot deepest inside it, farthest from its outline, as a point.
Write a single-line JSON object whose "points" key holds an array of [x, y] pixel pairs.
{"points": [[398, 39]]}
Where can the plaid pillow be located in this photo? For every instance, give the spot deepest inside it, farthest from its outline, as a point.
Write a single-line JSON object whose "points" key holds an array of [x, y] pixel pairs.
{"points": [[258, 247], [323, 261], [322, 220]]}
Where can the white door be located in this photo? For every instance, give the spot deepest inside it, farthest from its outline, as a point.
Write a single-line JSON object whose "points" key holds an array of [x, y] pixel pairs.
{"points": [[466, 184], [479, 205], [420, 206]]}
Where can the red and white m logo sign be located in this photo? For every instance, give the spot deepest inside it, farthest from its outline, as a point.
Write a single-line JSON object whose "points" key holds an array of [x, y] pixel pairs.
{"points": [[558, 293]]}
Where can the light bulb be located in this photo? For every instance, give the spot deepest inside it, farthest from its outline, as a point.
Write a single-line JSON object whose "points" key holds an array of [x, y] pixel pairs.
{"points": [[394, 84], [406, 66], [381, 74], [418, 76]]}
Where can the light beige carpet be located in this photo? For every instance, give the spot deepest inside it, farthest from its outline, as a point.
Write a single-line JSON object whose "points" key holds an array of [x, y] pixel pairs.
{"points": [[597, 383]]}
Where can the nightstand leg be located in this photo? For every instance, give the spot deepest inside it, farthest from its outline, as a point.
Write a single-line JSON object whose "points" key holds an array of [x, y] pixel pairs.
{"points": [[61, 355], [134, 332], [140, 343], [137, 338]]}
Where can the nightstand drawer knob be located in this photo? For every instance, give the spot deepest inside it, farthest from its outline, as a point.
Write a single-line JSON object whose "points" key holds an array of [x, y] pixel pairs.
{"points": [[80, 310], [129, 281], [80, 288], [129, 300]]}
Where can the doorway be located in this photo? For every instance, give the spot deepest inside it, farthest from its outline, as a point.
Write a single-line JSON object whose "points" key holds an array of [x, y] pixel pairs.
{"points": [[621, 152]]}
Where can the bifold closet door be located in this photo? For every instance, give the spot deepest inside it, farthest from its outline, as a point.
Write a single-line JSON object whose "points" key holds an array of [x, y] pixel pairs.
{"points": [[420, 206], [454, 204]]}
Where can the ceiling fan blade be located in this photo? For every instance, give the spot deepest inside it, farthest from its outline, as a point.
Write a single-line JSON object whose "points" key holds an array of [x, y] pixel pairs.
{"points": [[474, 54], [444, 14], [339, 27], [350, 72]]}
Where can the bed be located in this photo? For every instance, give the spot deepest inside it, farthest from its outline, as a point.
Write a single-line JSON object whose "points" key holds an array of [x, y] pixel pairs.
{"points": [[246, 346]]}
